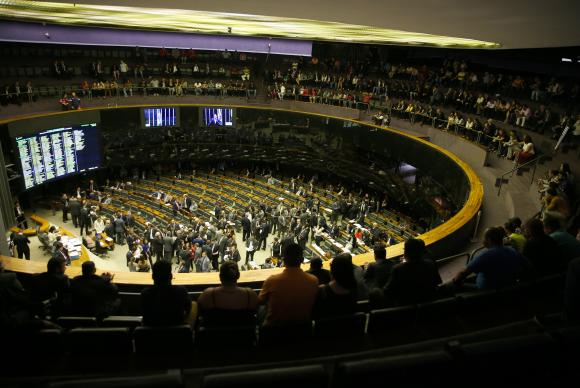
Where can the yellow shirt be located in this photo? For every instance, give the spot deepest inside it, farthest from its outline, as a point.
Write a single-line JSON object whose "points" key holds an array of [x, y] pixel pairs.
{"points": [[290, 296]]}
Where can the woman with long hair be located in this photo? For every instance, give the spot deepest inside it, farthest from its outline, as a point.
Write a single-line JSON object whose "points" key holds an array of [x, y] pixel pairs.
{"points": [[338, 297]]}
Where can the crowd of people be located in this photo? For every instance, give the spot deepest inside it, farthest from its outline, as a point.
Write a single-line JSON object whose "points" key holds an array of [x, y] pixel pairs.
{"points": [[537, 104]]}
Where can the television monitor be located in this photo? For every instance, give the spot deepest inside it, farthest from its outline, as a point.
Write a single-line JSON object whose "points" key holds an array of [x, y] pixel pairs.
{"points": [[217, 117], [160, 117], [57, 153]]}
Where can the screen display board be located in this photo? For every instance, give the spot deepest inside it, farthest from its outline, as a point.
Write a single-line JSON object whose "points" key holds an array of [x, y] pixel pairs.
{"points": [[160, 117], [218, 117], [59, 152]]}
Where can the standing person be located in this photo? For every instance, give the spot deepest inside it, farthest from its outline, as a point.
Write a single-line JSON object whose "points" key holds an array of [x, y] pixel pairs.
{"points": [[21, 243], [246, 227], [65, 207], [290, 295], [75, 211], [85, 218], [277, 251], [157, 246], [251, 245], [119, 229], [215, 254], [20, 218], [168, 241]]}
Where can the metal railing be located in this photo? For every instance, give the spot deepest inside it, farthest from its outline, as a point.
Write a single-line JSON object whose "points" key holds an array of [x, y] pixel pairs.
{"points": [[534, 162]]}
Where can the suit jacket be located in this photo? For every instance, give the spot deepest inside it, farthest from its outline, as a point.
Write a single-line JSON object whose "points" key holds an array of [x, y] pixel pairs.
{"points": [[413, 282], [378, 273], [246, 225], [168, 243], [21, 242], [93, 296], [75, 208], [119, 225]]}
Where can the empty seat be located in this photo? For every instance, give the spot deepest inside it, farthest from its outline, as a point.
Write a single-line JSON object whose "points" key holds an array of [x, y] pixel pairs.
{"points": [[393, 325], [131, 303], [439, 318], [296, 377], [510, 361], [68, 323], [36, 343], [163, 340], [100, 341], [152, 381], [342, 326], [287, 334], [226, 336], [424, 369]]}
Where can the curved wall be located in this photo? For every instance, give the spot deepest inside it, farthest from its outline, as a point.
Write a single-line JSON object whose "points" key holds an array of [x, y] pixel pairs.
{"points": [[458, 179]]}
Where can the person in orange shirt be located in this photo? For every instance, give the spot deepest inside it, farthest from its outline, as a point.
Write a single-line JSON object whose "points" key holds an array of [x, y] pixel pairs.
{"points": [[290, 295]]}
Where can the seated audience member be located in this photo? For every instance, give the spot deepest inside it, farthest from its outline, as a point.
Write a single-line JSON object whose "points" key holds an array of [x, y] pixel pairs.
{"points": [[228, 304], [93, 295], [513, 236], [339, 296], [528, 151], [378, 273], [323, 275], [290, 295], [163, 303], [415, 280], [541, 250], [17, 309], [555, 205], [569, 246], [52, 285], [497, 266], [361, 287], [572, 291]]}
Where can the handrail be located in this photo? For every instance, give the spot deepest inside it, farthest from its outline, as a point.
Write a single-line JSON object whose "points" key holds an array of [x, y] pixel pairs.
{"points": [[452, 257], [534, 161]]}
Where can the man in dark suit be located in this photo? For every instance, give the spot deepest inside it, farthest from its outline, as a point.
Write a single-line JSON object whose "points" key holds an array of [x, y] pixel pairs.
{"points": [[21, 243], [75, 211], [129, 220], [251, 247], [263, 233], [377, 274], [119, 229], [65, 207], [20, 218], [415, 280], [222, 244], [168, 242], [84, 219], [157, 246], [52, 285], [93, 295], [215, 254], [246, 227]]}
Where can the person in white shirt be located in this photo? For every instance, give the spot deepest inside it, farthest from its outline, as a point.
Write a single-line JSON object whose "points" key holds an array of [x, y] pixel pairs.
{"points": [[99, 225]]}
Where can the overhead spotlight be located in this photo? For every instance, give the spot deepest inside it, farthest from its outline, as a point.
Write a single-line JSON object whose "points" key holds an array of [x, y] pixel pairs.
{"points": [[47, 35]]}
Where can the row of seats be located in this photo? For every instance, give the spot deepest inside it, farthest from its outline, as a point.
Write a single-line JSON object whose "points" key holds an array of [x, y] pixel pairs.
{"points": [[383, 327], [501, 357]]}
